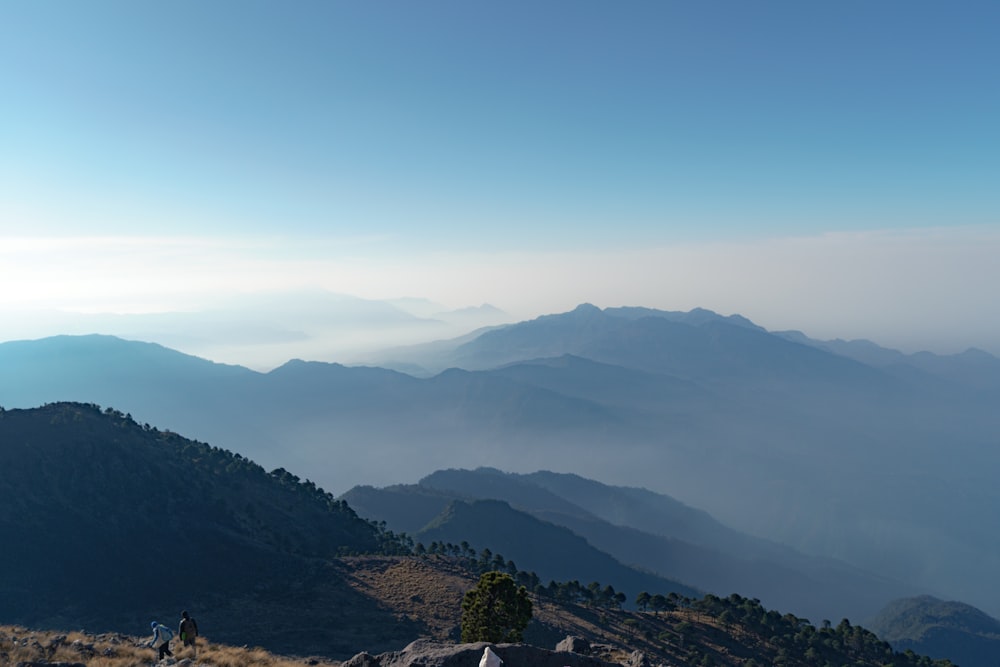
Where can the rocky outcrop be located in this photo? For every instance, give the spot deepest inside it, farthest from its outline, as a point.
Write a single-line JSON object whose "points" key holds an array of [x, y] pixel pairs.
{"points": [[429, 653], [573, 644]]}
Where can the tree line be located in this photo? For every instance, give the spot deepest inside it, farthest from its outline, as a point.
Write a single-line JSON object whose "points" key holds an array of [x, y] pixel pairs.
{"points": [[593, 594]]}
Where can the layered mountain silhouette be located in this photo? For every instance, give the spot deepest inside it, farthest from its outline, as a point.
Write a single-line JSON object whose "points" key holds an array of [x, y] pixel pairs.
{"points": [[888, 466], [265, 330], [651, 532], [110, 523], [939, 629], [553, 552]]}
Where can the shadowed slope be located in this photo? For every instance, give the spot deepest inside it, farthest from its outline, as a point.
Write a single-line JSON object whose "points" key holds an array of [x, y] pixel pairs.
{"points": [[111, 524]]}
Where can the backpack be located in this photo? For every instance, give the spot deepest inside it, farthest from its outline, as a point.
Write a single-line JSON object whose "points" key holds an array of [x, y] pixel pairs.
{"points": [[166, 634], [189, 629]]}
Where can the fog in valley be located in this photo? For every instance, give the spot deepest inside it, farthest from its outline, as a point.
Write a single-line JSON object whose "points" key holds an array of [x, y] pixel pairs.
{"points": [[881, 460]]}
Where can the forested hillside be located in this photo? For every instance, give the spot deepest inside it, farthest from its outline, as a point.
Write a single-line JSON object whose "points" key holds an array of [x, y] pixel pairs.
{"points": [[940, 628], [110, 523]]}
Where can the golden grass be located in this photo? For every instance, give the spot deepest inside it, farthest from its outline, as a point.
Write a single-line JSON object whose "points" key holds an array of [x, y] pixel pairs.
{"points": [[18, 644], [219, 655]]}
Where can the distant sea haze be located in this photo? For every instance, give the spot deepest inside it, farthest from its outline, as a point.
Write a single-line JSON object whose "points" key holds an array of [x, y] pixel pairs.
{"points": [[265, 331]]}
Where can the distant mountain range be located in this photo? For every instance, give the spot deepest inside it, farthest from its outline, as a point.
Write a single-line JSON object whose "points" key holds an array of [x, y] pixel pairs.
{"points": [[266, 330], [881, 460], [109, 523], [517, 515]]}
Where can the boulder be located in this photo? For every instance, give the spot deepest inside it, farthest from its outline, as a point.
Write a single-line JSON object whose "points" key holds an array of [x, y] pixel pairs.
{"points": [[362, 660], [430, 653], [573, 644], [637, 659]]}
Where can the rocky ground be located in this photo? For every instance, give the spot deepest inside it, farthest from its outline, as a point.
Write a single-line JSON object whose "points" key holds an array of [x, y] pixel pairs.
{"points": [[23, 647], [430, 591]]}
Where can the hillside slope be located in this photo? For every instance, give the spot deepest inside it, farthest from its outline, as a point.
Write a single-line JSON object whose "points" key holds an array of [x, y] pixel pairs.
{"points": [[549, 550], [938, 628], [675, 541], [110, 523], [117, 523], [727, 632]]}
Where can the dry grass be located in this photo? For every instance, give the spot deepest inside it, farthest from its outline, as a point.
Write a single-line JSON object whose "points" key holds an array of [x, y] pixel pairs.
{"points": [[429, 589], [219, 655], [18, 644]]}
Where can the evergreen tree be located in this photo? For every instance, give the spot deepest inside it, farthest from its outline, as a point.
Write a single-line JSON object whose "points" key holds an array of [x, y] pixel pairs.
{"points": [[497, 610]]}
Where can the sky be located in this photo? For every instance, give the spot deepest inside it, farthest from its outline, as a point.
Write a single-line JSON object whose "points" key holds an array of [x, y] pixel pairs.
{"points": [[831, 167]]}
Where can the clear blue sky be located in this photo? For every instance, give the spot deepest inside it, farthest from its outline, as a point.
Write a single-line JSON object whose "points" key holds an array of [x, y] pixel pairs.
{"points": [[374, 134]]}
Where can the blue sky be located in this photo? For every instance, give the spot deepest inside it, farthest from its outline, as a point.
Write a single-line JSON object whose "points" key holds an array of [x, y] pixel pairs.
{"points": [[828, 166]]}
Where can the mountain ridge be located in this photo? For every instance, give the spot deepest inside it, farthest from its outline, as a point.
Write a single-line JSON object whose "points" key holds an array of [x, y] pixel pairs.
{"points": [[266, 558], [162, 502], [677, 542], [777, 439]]}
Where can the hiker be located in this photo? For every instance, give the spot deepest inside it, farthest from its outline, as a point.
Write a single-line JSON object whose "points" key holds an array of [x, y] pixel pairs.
{"points": [[188, 632], [161, 638]]}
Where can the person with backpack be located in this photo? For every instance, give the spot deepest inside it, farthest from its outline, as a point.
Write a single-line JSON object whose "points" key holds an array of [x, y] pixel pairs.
{"points": [[188, 632], [161, 638]]}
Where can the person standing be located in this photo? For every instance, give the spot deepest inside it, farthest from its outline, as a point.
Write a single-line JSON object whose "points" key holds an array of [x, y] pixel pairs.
{"points": [[161, 638], [188, 632]]}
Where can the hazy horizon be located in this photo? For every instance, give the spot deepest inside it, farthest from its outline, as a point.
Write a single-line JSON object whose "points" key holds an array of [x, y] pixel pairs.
{"points": [[826, 168], [350, 330]]}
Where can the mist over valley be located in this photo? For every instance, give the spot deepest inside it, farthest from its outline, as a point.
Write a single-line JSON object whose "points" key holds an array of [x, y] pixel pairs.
{"points": [[833, 467]]}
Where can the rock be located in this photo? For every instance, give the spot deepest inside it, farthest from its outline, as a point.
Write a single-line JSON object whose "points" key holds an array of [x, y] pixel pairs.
{"points": [[637, 659], [361, 660], [429, 653], [490, 659], [573, 644]]}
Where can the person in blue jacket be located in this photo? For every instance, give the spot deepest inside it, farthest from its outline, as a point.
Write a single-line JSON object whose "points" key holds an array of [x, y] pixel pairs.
{"points": [[161, 638]]}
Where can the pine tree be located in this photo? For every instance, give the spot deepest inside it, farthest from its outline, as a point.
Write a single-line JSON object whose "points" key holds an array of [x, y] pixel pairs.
{"points": [[497, 610]]}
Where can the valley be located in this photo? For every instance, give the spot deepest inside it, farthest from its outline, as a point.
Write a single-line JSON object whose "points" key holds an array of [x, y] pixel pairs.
{"points": [[679, 452]]}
